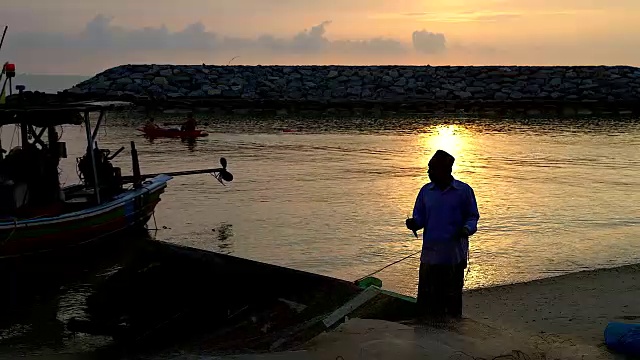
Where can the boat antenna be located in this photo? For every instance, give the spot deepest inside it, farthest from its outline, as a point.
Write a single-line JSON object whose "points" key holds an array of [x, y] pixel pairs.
{"points": [[4, 33]]}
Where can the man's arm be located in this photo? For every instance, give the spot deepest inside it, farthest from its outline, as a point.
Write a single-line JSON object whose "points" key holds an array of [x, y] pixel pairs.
{"points": [[471, 222], [419, 212]]}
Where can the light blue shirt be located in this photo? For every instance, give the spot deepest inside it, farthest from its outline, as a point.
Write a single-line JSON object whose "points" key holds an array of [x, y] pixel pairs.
{"points": [[443, 214]]}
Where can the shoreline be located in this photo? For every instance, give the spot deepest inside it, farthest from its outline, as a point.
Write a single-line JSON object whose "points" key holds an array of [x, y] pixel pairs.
{"points": [[568, 273]]}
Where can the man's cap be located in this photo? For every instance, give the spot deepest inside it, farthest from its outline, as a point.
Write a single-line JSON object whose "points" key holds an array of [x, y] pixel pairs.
{"points": [[442, 157]]}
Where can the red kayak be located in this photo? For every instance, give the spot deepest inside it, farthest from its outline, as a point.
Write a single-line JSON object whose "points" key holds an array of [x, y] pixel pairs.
{"points": [[172, 133]]}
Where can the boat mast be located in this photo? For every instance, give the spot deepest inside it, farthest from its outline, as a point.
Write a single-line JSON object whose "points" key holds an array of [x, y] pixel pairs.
{"points": [[87, 126], [4, 33]]}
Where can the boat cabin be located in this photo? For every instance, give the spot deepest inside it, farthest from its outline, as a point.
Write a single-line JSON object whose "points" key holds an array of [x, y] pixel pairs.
{"points": [[29, 175]]}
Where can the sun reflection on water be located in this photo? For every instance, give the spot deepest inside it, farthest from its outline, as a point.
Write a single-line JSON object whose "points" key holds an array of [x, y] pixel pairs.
{"points": [[457, 140]]}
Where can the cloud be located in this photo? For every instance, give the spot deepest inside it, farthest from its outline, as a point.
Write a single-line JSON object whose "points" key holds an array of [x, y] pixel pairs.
{"points": [[113, 44], [312, 40], [100, 34], [429, 43]]}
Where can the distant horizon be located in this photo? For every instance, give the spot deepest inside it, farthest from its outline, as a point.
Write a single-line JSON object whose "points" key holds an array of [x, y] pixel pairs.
{"points": [[48, 83], [40, 74]]}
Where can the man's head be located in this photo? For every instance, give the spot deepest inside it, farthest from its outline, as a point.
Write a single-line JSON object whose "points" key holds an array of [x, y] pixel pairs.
{"points": [[440, 167]]}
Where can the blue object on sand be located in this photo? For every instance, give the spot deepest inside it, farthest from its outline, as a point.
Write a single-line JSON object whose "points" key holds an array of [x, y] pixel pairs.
{"points": [[623, 338]]}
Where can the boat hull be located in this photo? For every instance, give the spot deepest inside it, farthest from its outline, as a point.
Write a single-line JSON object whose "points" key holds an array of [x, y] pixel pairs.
{"points": [[173, 133], [129, 210], [169, 294]]}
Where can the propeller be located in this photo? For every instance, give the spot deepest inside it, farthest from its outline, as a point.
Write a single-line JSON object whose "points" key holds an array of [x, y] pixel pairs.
{"points": [[223, 174]]}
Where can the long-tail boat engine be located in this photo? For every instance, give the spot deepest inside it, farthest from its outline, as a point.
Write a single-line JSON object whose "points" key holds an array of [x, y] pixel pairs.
{"points": [[109, 177]]}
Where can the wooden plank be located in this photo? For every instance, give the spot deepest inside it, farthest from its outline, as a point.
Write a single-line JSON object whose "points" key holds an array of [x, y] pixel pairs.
{"points": [[350, 306]]}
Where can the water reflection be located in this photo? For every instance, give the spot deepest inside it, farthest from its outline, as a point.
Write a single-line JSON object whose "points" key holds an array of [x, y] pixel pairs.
{"points": [[554, 196], [453, 139], [44, 293], [190, 143], [224, 235], [457, 140]]}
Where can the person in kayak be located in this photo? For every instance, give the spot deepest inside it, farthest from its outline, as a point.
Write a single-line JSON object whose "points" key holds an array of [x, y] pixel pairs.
{"points": [[190, 124], [446, 209], [150, 124]]}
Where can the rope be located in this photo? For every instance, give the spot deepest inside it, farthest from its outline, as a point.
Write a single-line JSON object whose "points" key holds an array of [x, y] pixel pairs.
{"points": [[393, 263], [155, 226], [464, 279]]}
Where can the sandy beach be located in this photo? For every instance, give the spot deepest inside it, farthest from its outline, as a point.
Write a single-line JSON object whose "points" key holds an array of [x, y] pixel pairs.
{"points": [[576, 306]]}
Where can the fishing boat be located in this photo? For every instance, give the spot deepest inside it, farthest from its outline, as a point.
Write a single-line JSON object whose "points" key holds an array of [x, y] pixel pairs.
{"points": [[172, 295], [37, 214], [172, 133]]}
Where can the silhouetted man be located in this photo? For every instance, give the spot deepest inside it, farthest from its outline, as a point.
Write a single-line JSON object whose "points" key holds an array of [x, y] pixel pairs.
{"points": [[447, 211]]}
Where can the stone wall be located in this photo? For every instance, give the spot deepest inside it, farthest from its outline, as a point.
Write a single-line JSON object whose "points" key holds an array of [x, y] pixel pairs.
{"points": [[499, 85]]}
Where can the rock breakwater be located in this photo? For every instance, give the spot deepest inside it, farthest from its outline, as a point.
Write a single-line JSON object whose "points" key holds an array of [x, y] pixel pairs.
{"points": [[448, 87]]}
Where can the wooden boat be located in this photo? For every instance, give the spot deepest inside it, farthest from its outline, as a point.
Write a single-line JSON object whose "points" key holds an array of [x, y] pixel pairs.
{"points": [[172, 133], [170, 295], [36, 215], [128, 210]]}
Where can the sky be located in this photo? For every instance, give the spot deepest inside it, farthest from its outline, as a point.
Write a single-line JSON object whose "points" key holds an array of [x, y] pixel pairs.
{"points": [[89, 36]]}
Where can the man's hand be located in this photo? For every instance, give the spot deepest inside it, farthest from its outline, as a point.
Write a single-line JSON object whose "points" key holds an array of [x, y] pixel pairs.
{"points": [[464, 232], [412, 224]]}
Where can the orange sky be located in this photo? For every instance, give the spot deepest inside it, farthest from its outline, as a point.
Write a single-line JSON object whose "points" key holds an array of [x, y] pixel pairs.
{"points": [[476, 32]]}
